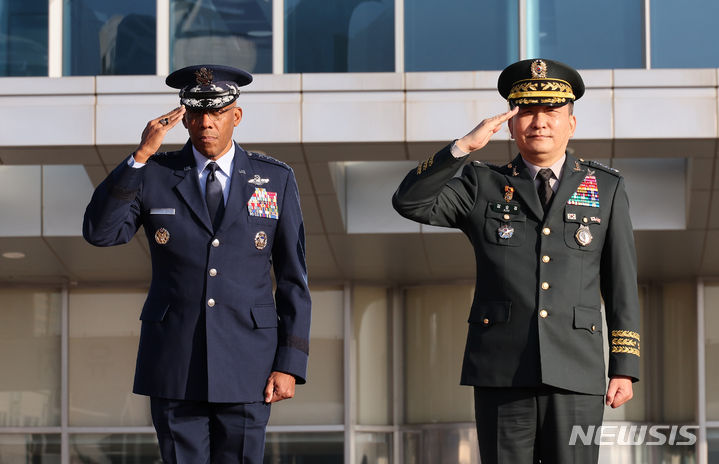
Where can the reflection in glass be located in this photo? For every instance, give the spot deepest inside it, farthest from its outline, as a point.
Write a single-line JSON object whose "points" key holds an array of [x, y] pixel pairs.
{"points": [[339, 36], [693, 47], [613, 38], [130, 448], [321, 400], [228, 32], [32, 448], [436, 331], [108, 37], [30, 358], [456, 443], [104, 334], [713, 445], [304, 448], [457, 36], [23, 37], [373, 448], [711, 339], [372, 329]]}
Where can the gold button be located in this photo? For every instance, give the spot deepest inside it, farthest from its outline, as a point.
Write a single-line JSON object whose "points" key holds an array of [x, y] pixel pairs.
{"points": [[210, 302], [506, 217], [545, 285], [546, 231], [213, 272], [545, 259], [543, 313], [594, 327], [215, 243], [485, 321], [585, 220]]}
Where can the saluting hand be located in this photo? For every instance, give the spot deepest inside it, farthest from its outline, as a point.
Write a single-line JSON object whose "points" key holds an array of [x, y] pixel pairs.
{"points": [[155, 132], [480, 135], [280, 386]]}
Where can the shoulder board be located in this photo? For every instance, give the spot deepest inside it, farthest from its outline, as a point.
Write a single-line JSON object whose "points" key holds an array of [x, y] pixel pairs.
{"points": [[598, 165], [265, 158]]}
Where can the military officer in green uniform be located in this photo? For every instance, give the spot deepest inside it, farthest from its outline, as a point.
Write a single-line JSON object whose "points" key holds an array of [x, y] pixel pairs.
{"points": [[551, 233]]}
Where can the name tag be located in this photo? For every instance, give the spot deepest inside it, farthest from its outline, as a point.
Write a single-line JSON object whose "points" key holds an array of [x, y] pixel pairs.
{"points": [[162, 211], [502, 207]]}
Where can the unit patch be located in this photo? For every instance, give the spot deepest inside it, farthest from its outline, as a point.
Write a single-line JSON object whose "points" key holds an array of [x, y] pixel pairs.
{"points": [[587, 193], [162, 236], [263, 204]]}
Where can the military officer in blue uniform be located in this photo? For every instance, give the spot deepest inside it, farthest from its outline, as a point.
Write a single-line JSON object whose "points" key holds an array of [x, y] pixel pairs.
{"points": [[217, 345], [551, 233]]}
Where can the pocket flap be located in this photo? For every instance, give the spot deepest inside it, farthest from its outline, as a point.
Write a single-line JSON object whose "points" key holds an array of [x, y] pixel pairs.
{"points": [[587, 318], [265, 316], [491, 312]]}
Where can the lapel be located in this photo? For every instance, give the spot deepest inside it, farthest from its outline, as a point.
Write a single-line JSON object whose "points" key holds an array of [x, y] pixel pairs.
{"points": [[189, 187], [240, 190], [573, 174], [524, 186]]}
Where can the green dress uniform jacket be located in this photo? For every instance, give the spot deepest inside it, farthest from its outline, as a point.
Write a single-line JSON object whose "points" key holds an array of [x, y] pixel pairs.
{"points": [[536, 315]]}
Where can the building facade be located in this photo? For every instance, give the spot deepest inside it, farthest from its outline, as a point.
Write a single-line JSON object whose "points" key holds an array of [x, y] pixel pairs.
{"points": [[352, 94]]}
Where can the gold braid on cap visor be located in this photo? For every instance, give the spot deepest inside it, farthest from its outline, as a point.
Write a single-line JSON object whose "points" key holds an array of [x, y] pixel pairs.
{"points": [[541, 88]]}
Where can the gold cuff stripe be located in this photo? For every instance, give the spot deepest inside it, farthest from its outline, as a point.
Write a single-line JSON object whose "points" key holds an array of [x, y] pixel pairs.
{"points": [[422, 166], [626, 350], [625, 341], [625, 333]]}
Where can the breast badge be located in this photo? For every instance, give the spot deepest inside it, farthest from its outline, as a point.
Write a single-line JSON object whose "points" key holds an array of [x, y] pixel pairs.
{"points": [[162, 236], [508, 193], [583, 235], [260, 240], [257, 180], [505, 231]]}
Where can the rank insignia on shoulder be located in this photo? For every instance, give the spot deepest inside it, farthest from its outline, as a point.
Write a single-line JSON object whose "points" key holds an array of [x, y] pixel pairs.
{"points": [[257, 180], [508, 193], [162, 236]]}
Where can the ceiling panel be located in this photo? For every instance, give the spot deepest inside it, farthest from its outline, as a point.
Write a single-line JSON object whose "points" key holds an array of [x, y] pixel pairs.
{"points": [[668, 254], [39, 263]]}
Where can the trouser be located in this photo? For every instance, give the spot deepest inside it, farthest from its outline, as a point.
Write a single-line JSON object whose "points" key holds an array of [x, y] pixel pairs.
{"points": [[197, 432], [534, 425]]}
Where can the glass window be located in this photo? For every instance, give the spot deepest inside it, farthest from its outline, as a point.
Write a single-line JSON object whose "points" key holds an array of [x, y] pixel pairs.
{"points": [[23, 40], [110, 448], [30, 358], [435, 332], [321, 400], [372, 329], [339, 36], [711, 338], [713, 445], [373, 448], [304, 448], [461, 35], [587, 35], [228, 32], [684, 37], [104, 333], [455, 443], [108, 37], [33, 448]]}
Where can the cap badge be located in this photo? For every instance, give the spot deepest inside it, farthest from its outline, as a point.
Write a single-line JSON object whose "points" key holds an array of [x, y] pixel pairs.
{"points": [[260, 240], [203, 76], [583, 235], [162, 236], [508, 193], [539, 69], [505, 231]]}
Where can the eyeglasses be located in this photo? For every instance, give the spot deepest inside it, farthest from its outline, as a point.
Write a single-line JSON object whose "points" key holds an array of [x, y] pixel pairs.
{"points": [[215, 115]]}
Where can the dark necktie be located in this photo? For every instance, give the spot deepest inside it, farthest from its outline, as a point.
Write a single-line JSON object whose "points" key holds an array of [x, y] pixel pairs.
{"points": [[213, 195], [545, 190]]}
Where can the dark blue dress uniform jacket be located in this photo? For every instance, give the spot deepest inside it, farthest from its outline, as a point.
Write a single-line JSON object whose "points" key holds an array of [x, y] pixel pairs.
{"points": [[536, 315], [222, 351]]}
